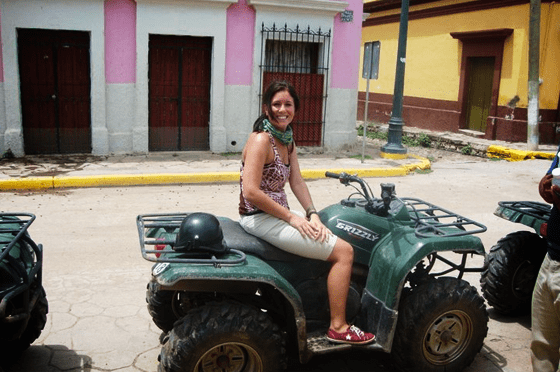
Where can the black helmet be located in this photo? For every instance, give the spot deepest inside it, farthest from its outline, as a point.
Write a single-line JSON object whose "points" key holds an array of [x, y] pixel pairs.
{"points": [[200, 231]]}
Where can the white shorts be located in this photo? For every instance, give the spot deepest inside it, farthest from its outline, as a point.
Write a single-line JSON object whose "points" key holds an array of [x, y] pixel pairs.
{"points": [[281, 234]]}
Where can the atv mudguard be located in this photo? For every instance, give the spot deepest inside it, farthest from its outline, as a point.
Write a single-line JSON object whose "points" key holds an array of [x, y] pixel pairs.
{"points": [[216, 278], [233, 279], [392, 260], [397, 254], [531, 214]]}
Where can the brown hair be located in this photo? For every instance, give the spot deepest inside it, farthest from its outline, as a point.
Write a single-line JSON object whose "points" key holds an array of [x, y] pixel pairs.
{"points": [[273, 88]]}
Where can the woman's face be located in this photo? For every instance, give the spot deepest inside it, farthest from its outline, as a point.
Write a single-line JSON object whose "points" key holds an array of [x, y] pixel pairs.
{"points": [[282, 110]]}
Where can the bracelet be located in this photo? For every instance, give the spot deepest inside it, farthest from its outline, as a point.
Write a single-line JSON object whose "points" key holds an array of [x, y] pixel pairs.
{"points": [[312, 212]]}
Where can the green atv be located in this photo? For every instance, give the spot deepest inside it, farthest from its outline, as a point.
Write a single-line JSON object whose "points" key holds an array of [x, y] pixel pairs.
{"points": [[244, 305], [23, 302], [512, 265]]}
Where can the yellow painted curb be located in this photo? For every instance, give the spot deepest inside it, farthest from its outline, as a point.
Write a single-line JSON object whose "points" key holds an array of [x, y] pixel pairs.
{"points": [[144, 179], [57, 182], [495, 151], [388, 155], [31, 183], [403, 170]]}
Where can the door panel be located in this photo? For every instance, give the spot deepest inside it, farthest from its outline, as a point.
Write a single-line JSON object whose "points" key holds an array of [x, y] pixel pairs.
{"points": [[73, 98], [164, 94], [479, 97], [195, 99], [38, 94]]}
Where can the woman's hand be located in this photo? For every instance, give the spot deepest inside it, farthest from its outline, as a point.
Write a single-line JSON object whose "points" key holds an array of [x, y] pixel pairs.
{"points": [[313, 228], [322, 231]]}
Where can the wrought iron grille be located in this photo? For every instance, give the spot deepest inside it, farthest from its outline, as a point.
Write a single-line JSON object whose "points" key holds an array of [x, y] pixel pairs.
{"points": [[301, 57]]}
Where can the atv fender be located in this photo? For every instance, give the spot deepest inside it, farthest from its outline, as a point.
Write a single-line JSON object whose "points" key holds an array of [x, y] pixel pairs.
{"points": [[397, 254], [242, 278], [393, 259]]}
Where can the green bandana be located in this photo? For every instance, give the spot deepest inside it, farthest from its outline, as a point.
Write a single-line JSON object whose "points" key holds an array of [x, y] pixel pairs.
{"points": [[285, 137]]}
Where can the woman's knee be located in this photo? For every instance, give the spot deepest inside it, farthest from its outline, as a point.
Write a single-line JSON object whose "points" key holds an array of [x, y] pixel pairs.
{"points": [[342, 252]]}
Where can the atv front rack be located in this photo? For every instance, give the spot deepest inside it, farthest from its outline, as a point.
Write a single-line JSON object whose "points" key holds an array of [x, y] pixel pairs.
{"points": [[434, 221], [160, 230]]}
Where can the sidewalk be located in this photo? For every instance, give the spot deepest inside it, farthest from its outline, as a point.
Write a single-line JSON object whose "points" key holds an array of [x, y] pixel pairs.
{"points": [[72, 171]]}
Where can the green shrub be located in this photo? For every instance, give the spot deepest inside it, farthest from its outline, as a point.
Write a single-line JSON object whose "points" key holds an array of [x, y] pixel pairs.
{"points": [[467, 150]]}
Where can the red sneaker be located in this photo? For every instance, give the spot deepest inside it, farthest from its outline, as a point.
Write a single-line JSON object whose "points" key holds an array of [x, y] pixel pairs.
{"points": [[353, 335]]}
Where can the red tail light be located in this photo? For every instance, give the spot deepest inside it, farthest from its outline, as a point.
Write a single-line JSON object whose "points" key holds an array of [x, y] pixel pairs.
{"points": [[543, 229], [159, 247]]}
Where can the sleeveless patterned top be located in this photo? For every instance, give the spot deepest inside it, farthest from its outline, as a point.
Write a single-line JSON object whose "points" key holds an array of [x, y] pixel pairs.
{"points": [[274, 178]]}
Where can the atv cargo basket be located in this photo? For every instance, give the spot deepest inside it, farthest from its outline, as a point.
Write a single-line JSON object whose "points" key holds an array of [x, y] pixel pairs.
{"points": [[434, 221], [160, 231], [16, 245], [513, 210]]}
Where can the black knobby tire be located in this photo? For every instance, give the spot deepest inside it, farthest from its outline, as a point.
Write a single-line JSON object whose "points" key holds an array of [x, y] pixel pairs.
{"points": [[33, 329], [161, 306], [37, 320], [441, 327], [511, 269], [166, 307], [226, 335]]}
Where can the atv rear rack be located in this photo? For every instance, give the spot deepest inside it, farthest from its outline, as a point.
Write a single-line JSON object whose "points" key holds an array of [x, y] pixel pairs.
{"points": [[13, 226], [13, 230], [433, 221], [149, 224], [529, 208]]}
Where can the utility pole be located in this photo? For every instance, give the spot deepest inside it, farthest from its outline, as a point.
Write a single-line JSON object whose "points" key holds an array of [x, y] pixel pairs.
{"points": [[533, 83], [370, 71], [394, 148]]}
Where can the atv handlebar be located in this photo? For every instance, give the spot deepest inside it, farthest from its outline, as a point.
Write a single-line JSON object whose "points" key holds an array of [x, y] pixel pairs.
{"points": [[346, 178]]}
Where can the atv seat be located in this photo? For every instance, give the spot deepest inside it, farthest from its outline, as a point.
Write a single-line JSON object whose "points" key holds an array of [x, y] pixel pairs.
{"points": [[237, 238]]}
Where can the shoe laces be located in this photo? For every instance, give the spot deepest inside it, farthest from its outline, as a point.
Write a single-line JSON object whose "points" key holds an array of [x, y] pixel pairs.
{"points": [[356, 330]]}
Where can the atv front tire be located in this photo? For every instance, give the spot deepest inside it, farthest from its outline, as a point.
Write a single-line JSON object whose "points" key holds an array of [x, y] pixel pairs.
{"points": [[441, 327], [512, 266], [223, 336]]}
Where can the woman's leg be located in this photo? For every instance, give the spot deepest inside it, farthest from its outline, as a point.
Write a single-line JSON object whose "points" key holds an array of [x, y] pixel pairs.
{"points": [[338, 282]]}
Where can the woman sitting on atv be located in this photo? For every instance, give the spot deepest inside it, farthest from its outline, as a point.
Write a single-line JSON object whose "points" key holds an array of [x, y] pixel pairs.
{"points": [[269, 160]]}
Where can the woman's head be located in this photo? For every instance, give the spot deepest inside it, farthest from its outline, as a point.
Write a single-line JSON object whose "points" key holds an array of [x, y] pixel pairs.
{"points": [[279, 86], [280, 102]]}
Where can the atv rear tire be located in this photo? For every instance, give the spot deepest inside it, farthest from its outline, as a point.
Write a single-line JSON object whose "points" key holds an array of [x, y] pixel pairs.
{"points": [[166, 307], [441, 327], [512, 266], [224, 336], [161, 306], [35, 324]]}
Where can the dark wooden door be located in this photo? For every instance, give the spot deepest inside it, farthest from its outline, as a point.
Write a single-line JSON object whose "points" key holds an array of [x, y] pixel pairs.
{"points": [[55, 91], [479, 95], [179, 90]]}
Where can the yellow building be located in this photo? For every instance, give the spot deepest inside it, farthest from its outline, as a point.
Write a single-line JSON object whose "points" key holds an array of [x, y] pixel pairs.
{"points": [[466, 66]]}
